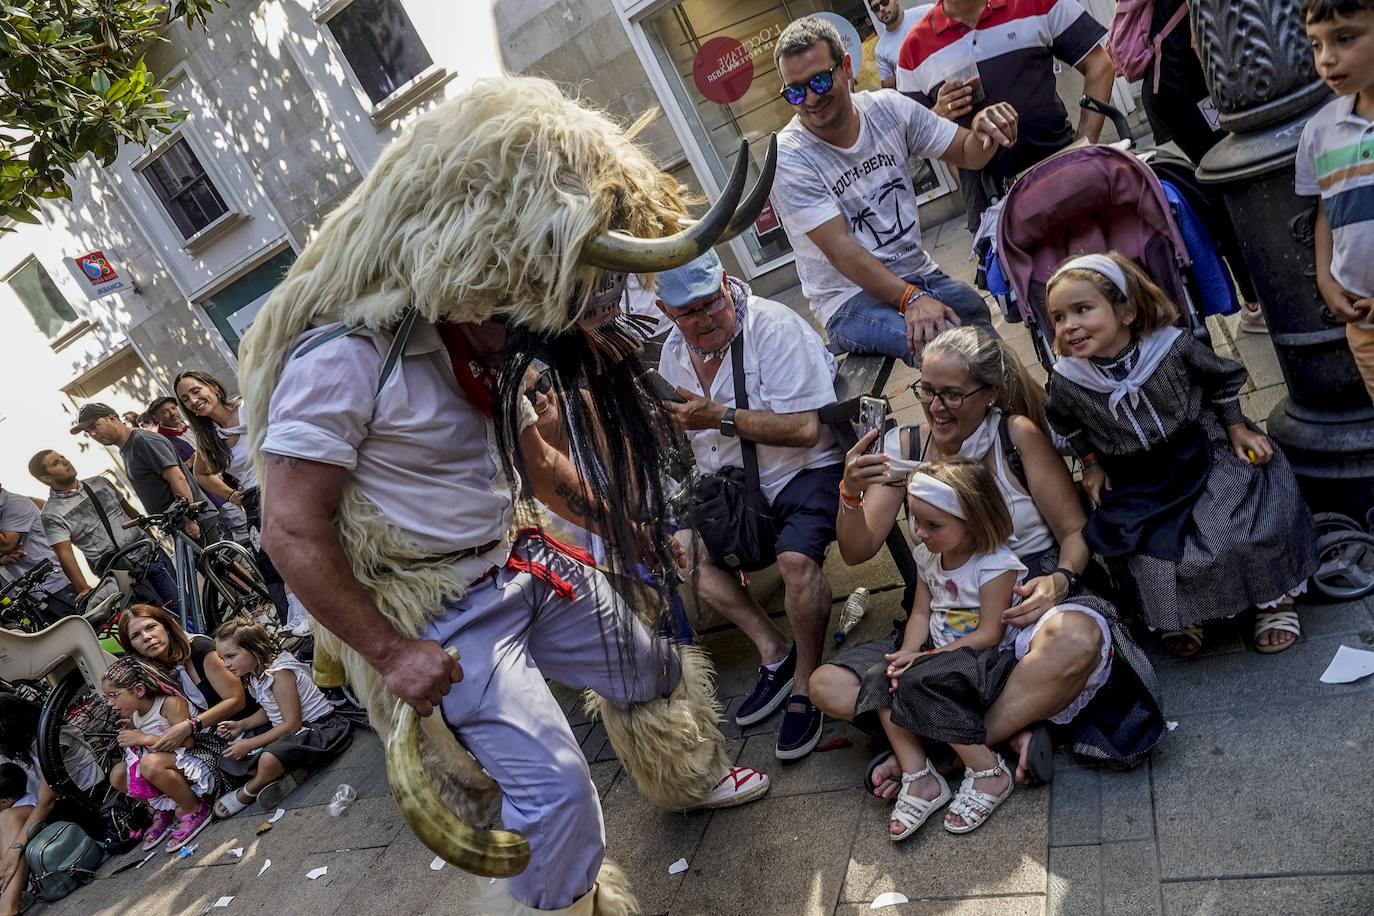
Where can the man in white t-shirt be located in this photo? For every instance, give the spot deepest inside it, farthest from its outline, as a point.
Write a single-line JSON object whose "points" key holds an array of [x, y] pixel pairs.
{"points": [[788, 376], [845, 197], [896, 23]]}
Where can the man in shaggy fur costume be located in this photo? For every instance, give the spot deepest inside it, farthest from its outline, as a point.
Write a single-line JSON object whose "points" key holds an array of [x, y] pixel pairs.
{"points": [[384, 390]]}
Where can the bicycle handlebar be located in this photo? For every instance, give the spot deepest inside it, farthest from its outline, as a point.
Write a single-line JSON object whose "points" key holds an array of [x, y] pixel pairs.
{"points": [[174, 513], [29, 579]]}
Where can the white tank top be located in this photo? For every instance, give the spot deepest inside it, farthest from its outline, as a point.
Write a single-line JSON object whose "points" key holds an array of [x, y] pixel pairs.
{"points": [[1031, 534]]}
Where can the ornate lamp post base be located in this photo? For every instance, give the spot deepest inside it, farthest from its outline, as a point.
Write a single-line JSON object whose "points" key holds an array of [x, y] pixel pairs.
{"points": [[1261, 77]]}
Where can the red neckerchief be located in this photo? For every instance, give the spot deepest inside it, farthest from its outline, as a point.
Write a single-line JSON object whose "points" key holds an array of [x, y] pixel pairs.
{"points": [[169, 431], [478, 381]]}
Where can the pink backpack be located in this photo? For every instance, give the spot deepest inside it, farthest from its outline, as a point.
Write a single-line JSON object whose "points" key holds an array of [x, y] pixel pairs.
{"points": [[1128, 38]]}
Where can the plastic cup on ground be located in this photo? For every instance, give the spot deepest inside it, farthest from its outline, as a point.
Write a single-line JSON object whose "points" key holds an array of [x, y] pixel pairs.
{"points": [[344, 796]]}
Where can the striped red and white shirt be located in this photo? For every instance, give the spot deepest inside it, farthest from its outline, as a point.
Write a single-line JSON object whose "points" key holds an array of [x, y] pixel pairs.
{"points": [[1015, 43]]}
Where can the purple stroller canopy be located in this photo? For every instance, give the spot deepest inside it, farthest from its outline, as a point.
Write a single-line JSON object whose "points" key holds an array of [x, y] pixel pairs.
{"points": [[1088, 200]]}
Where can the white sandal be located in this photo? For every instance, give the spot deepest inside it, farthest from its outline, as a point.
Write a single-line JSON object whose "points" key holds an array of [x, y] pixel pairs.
{"points": [[975, 806], [911, 812], [230, 804], [1285, 619]]}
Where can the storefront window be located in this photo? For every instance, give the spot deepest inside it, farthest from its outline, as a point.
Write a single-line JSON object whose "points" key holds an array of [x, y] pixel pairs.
{"points": [[718, 55]]}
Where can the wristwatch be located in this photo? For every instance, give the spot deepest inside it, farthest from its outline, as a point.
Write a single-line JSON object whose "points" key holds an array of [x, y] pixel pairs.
{"points": [[727, 423]]}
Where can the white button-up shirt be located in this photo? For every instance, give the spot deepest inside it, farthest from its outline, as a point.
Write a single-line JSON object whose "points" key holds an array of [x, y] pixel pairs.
{"points": [[786, 370], [425, 456]]}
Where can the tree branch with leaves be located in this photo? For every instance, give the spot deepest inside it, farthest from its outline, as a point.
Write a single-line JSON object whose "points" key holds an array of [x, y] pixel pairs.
{"points": [[73, 81]]}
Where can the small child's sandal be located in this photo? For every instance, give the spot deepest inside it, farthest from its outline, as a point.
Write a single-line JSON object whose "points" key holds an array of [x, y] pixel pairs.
{"points": [[230, 804]]}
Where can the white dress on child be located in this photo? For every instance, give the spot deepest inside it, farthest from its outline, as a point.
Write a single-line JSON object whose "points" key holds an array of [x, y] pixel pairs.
{"points": [[198, 775]]}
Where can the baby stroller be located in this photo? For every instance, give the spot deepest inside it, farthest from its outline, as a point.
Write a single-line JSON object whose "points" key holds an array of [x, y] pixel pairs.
{"points": [[1091, 199]]}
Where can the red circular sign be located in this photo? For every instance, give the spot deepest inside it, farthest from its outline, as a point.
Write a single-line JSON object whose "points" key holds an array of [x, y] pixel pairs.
{"points": [[723, 70]]}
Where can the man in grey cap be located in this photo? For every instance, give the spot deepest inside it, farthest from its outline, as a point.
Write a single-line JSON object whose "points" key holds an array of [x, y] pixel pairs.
{"points": [[157, 473], [788, 375]]}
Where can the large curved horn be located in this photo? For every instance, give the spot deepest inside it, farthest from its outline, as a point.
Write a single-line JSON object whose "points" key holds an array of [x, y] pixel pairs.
{"points": [[624, 253], [754, 201], [491, 853]]}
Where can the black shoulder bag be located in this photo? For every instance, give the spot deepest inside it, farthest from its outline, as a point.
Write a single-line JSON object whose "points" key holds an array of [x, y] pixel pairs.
{"points": [[729, 513]]}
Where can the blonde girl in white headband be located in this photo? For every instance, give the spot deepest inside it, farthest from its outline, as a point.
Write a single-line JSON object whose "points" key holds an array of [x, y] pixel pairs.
{"points": [[956, 653], [1197, 510]]}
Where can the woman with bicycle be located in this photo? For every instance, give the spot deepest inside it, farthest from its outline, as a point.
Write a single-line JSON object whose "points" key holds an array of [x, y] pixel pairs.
{"points": [[217, 421], [195, 667], [19, 745]]}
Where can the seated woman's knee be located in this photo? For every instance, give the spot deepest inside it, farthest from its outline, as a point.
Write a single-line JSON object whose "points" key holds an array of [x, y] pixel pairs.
{"points": [[1073, 638]]}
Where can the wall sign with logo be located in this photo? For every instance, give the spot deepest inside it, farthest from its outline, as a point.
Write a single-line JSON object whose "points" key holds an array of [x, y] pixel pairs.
{"points": [[723, 70], [97, 275]]}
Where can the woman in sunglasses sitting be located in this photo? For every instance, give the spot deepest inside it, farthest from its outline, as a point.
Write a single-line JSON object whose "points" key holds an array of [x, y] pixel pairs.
{"points": [[1078, 666]]}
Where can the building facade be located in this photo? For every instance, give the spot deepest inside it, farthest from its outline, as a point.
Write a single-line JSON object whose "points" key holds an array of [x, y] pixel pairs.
{"points": [[161, 260]]}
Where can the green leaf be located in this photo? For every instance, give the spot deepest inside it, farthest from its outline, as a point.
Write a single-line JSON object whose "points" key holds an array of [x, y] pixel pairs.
{"points": [[100, 83], [20, 215]]}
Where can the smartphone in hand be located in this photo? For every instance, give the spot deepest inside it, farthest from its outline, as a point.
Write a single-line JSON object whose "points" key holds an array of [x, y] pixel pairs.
{"points": [[661, 387], [872, 415]]}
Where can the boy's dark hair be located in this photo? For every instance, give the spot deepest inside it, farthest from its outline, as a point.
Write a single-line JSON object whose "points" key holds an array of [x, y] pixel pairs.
{"points": [[14, 783], [1325, 10]]}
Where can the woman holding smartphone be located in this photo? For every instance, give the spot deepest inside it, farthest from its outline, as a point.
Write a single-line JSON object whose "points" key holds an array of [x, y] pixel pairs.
{"points": [[979, 402]]}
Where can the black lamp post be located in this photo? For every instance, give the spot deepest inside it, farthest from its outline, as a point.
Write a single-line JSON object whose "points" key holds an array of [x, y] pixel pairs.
{"points": [[1260, 73]]}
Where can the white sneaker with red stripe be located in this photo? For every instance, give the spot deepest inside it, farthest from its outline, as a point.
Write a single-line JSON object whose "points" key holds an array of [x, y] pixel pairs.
{"points": [[739, 786]]}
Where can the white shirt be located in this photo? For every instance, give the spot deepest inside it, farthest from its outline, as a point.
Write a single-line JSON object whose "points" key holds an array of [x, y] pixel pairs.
{"points": [[313, 704], [869, 184], [786, 370], [240, 458], [955, 605], [418, 450], [889, 43]]}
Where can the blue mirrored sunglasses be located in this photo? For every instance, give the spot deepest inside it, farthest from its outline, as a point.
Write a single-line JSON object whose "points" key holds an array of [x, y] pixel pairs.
{"points": [[820, 84]]}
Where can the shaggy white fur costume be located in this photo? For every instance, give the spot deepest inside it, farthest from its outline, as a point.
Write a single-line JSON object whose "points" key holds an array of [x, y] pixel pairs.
{"points": [[480, 210]]}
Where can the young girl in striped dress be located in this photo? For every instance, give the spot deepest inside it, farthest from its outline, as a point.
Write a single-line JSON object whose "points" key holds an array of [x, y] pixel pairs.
{"points": [[1195, 506]]}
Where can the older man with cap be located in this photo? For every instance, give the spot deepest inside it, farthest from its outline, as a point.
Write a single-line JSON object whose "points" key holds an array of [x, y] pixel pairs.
{"points": [[788, 376], [157, 473]]}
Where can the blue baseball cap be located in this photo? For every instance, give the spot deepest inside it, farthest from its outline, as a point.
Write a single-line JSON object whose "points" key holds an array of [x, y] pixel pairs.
{"points": [[696, 280]]}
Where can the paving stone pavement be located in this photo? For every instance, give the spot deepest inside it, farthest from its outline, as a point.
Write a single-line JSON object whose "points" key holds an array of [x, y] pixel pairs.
{"points": [[1258, 802]]}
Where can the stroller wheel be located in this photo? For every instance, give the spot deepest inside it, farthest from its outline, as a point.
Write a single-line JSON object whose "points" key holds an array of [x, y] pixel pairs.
{"points": [[1328, 522], [1345, 570]]}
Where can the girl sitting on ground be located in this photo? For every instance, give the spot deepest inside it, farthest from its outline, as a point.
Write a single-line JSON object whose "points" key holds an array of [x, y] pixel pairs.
{"points": [[172, 783], [956, 653], [1197, 508], [303, 731]]}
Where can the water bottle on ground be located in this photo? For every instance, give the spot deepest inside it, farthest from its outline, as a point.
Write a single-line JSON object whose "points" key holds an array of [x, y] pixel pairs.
{"points": [[854, 610], [344, 796]]}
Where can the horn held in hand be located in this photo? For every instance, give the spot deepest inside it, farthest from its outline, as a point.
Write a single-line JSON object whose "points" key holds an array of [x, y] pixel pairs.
{"points": [[725, 220], [491, 853]]}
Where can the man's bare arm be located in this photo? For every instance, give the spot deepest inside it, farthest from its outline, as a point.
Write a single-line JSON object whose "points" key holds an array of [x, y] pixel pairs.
{"points": [[972, 148], [1098, 72], [300, 539], [67, 558], [855, 262]]}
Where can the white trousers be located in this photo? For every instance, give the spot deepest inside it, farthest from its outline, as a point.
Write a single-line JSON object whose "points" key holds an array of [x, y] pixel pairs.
{"points": [[513, 630]]}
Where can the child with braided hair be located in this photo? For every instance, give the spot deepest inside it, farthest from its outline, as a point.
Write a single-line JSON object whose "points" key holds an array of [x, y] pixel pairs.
{"points": [[173, 785]]}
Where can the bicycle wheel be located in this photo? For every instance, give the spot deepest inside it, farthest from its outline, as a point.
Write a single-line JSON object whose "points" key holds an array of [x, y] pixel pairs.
{"points": [[233, 585], [77, 743]]}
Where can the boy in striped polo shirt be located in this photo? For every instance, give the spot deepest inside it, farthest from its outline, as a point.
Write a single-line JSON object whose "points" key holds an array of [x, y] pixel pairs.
{"points": [[1336, 161]]}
